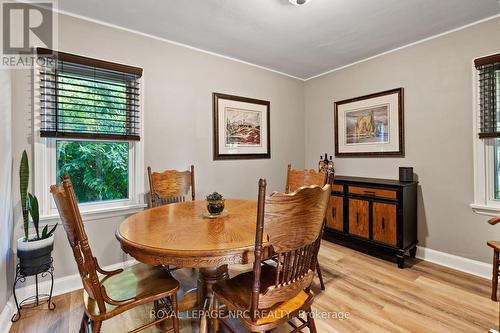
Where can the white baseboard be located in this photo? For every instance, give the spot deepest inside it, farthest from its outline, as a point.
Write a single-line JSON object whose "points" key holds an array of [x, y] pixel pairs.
{"points": [[5, 316], [462, 264], [62, 285]]}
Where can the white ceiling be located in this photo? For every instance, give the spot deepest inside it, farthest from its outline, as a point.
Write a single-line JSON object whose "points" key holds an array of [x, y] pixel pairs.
{"points": [[302, 41]]}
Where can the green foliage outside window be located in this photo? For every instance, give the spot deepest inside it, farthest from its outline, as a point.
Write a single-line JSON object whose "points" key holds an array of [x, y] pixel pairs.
{"points": [[497, 140], [91, 106], [98, 170]]}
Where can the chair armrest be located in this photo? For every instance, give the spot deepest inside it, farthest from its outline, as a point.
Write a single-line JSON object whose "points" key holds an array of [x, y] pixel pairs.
{"points": [[108, 273], [494, 220]]}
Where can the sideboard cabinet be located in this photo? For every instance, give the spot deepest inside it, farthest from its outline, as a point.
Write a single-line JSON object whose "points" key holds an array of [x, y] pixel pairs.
{"points": [[376, 214]]}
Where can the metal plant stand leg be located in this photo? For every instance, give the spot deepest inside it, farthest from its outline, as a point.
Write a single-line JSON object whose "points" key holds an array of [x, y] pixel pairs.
{"points": [[18, 278], [33, 301]]}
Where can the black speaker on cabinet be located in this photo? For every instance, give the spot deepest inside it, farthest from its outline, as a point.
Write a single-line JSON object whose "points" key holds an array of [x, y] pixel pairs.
{"points": [[405, 174]]}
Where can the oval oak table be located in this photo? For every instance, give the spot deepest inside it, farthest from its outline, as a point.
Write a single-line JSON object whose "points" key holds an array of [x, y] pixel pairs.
{"points": [[179, 234]]}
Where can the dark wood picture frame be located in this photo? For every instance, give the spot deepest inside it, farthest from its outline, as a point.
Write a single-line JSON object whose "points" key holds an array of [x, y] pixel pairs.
{"points": [[243, 156], [400, 152]]}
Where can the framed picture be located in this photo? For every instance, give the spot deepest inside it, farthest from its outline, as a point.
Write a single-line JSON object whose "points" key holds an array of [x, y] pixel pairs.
{"points": [[370, 125], [241, 128]]}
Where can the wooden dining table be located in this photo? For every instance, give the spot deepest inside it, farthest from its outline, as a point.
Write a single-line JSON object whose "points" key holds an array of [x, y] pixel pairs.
{"points": [[181, 234]]}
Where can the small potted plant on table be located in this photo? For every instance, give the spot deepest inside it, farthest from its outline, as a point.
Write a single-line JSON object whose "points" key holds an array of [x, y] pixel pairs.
{"points": [[33, 250], [215, 203]]}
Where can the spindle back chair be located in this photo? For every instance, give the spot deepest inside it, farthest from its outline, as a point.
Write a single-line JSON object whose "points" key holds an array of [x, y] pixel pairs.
{"points": [[121, 289], [290, 224], [170, 186], [295, 179]]}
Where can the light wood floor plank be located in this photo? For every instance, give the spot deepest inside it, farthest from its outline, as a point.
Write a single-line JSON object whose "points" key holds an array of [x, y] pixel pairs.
{"points": [[378, 296]]}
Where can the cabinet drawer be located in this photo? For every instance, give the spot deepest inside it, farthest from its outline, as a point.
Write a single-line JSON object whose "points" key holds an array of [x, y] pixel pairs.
{"points": [[384, 223], [335, 213], [377, 192], [338, 188], [359, 216]]}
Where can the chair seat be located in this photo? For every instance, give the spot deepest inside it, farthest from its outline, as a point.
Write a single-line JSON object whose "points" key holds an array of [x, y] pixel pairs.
{"points": [[142, 282], [236, 294], [494, 244]]}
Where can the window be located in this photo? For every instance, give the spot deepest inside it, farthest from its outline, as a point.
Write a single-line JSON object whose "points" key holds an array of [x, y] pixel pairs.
{"points": [[89, 127], [496, 168], [99, 170], [496, 143], [487, 136]]}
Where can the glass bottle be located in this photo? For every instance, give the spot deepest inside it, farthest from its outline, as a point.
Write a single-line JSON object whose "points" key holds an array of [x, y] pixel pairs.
{"points": [[325, 163], [331, 169], [321, 163]]}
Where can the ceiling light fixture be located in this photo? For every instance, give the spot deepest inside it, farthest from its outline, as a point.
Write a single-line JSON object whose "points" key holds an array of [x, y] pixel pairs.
{"points": [[299, 2]]}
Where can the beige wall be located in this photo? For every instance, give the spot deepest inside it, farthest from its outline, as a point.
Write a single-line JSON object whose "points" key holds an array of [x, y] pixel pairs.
{"points": [[5, 186], [437, 78], [178, 86]]}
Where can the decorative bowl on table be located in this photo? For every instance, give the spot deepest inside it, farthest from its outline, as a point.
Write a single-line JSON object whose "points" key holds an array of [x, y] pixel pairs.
{"points": [[215, 204]]}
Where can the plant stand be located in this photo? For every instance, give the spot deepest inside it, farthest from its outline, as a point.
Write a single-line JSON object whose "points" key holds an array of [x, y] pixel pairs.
{"points": [[37, 299]]}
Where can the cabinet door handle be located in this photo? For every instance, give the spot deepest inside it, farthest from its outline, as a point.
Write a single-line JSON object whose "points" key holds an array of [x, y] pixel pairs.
{"points": [[383, 223], [334, 212], [370, 192], [357, 218]]}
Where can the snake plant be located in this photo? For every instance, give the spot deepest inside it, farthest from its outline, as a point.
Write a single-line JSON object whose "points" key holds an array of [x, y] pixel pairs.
{"points": [[29, 204], [24, 175]]}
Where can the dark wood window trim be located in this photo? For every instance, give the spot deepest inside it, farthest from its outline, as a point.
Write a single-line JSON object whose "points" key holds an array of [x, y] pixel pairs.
{"points": [[90, 61], [488, 60], [488, 91]]}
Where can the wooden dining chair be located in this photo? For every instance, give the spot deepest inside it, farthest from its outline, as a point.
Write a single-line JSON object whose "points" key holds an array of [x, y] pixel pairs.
{"points": [[170, 186], [119, 290], [271, 296], [495, 245], [295, 179]]}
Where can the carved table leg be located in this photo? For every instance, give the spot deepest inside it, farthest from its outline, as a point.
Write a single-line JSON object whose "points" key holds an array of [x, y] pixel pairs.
{"points": [[207, 278], [187, 295]]}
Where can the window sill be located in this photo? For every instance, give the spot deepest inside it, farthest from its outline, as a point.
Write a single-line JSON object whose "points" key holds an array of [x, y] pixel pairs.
{"points": [[486, 210], [97, 214]]}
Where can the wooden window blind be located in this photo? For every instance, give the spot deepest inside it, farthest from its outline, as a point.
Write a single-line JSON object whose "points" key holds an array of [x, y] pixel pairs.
{"points": [[84, 98], [489, 96]]}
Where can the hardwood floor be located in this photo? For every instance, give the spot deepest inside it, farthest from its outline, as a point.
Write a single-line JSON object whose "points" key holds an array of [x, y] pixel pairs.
{"points": [[378, 296]]}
